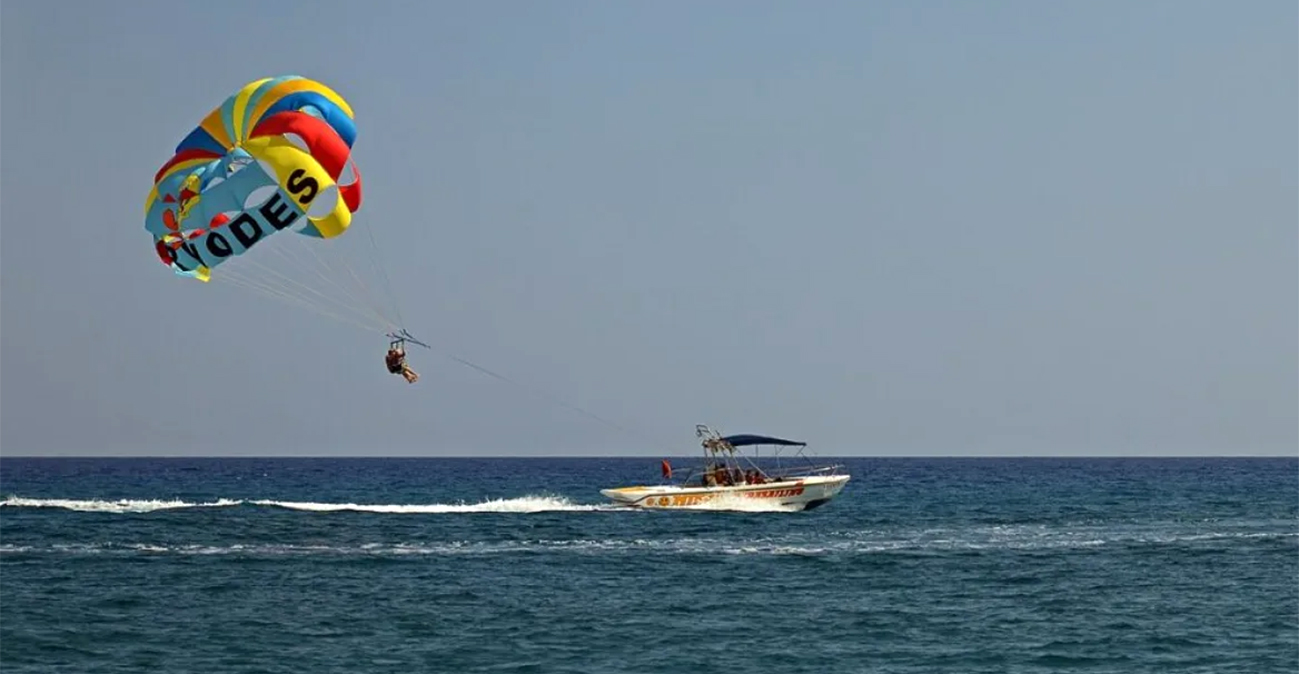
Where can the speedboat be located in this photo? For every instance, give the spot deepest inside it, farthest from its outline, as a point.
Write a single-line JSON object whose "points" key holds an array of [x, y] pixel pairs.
{"points": [[728, 477]]}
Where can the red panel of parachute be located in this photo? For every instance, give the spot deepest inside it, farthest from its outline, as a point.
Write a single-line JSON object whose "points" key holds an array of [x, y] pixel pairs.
{"points": [[352, 193], [161, 249], [183, 155]]}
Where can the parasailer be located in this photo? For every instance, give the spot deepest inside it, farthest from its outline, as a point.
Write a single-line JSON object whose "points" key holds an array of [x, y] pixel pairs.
{"points": [[396, 362], [395, 359]]}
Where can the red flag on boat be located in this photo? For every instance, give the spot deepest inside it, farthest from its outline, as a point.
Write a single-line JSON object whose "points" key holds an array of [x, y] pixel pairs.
{"points": [[667, 469]]}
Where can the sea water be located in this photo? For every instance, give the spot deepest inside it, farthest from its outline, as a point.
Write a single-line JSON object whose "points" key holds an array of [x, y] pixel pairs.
{"points": [[519, 565]]}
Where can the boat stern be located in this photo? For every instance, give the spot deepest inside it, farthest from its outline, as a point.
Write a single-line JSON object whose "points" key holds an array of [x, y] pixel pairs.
{"points": [[624, 495]]}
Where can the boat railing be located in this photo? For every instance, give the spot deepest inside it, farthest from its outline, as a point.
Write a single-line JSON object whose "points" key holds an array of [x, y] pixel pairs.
{"points": [[802, 470], [771, 474]]}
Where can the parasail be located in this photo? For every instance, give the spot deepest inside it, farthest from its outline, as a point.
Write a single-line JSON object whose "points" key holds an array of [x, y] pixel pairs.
{"points": [[275, 155], [260, 194]]}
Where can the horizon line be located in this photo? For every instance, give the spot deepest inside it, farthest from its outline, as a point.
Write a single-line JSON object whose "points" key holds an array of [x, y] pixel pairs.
{"points": [[643, 456]]}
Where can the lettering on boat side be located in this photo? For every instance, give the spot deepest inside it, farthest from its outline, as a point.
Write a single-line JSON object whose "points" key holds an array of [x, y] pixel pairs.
{"points": [[775, 493], [679, 500]]}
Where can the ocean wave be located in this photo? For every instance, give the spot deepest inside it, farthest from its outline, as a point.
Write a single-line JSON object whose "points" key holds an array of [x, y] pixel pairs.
{"points": [[761, 546]]}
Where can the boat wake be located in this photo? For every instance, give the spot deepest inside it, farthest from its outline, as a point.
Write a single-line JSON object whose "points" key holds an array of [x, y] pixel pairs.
{"points": [[522, 504], [118, 506]]}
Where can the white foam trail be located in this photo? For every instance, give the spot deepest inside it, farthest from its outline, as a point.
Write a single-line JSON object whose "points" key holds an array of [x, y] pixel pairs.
{"points": [[524, 504], [445, 548], [119, 506]]}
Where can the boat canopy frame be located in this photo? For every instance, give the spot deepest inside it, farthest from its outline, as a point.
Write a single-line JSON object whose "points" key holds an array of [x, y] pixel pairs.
{"points": [[722, 450]]}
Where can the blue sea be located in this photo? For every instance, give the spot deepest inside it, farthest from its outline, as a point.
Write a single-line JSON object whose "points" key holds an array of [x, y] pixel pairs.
{"points": [[518, 565]]}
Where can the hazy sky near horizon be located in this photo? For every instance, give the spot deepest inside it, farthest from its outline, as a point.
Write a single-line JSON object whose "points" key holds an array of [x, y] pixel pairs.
{"points": [[886, 228]]}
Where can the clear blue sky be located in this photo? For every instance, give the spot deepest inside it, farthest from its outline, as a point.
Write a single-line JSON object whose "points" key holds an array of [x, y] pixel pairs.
{"points": [[889, 228]]}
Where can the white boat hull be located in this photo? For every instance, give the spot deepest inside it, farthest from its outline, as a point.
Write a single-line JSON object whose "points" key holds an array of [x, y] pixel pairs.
{"points": [[800, 493]]}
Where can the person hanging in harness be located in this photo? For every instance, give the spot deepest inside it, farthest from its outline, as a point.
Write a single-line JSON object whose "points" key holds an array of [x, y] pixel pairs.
{"points": [[396, 362]]}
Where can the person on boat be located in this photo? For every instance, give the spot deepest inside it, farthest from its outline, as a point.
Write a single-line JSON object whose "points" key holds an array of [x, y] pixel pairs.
{"points": [[396, 362]]}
